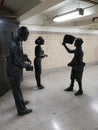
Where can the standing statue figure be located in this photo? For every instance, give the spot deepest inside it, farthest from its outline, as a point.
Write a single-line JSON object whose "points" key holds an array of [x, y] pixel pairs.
{"points": [[16, 62], [39, 54], [77, 65]]}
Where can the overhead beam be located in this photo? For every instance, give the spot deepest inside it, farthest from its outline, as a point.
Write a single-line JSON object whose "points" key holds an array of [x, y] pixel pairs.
{"points": [[40, 8], [91, 1]]}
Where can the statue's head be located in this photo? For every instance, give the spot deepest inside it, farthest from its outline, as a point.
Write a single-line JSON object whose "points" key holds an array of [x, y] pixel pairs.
{"points": [[39, 40], [78, 42], [23, 33]]}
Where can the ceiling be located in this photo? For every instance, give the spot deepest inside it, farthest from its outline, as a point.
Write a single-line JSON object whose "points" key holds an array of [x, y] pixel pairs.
{"points": [[42, 12]]}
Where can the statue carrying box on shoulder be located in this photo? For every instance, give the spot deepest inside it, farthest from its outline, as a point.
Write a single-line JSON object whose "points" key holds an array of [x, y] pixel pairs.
{"points": [[76, 63]]}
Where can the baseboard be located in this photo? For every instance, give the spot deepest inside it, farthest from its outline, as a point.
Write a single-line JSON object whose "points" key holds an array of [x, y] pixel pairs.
{"points": [[91, 63], [59, 69]]}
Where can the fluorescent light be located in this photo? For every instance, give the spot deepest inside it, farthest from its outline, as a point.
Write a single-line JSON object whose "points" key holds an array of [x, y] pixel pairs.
{"points": [[68, 16]]}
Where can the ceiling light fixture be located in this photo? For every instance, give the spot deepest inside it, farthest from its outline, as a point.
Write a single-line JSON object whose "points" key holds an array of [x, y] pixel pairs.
{"points": [[77, 13]]}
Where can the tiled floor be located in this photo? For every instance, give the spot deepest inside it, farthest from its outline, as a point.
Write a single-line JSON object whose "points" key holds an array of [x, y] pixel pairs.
{"points": [[53, 108]]}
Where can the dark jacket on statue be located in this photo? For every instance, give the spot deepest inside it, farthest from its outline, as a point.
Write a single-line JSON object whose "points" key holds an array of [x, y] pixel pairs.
{"points": [[15, 59]]}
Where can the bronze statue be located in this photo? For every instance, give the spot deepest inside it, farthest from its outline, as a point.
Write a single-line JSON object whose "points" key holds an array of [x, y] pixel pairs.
{"points": [[39, 54], [16, 62], [77, 63]]}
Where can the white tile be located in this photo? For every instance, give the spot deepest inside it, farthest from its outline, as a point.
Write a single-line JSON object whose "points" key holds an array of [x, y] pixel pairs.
{"points": [[39, 127], [47, 111]]}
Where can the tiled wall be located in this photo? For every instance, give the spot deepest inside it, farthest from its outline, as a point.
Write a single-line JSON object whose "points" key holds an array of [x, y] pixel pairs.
{"points": [[57, 55]]}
